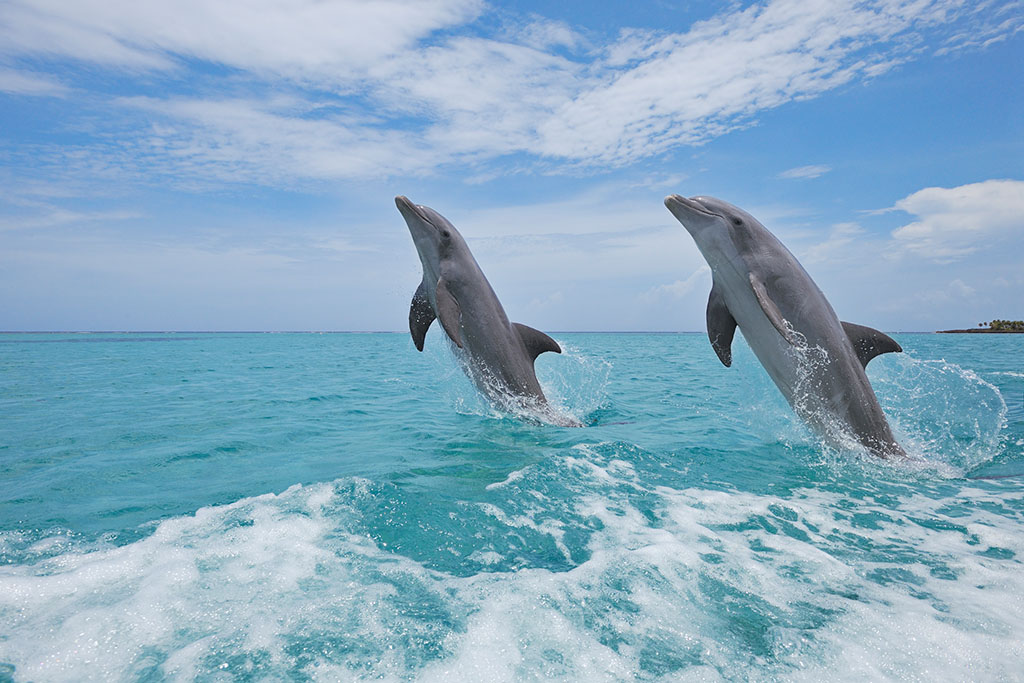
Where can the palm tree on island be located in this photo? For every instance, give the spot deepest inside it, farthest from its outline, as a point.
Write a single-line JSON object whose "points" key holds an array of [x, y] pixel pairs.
{"points": [[1000, 326]]}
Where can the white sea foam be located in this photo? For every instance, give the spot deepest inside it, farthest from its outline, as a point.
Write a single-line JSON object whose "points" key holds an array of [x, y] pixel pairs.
{"points": [[686, 583], [512, 477]]}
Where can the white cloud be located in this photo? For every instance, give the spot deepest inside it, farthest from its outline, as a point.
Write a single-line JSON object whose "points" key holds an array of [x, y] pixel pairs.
{"points": [[276, 141], [385, 87], [45, 216], [549, 300], [481, 97], [802, 172], [954, 222], [1006, 21], [950, 304], [836, 246], [601, 210], [688, 88], [26, 83], [680, 288], [960, 289], [331, 40], [544, 34]]}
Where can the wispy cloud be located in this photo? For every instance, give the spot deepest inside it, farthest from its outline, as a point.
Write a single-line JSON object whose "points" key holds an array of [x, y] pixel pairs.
{"points": [[601, 210], [16, 82], [301, 39], [805, 172], [272, 141], [29, 214], [680, 288], [836, 246], [954, 222], [399, 86], [655, 91]]}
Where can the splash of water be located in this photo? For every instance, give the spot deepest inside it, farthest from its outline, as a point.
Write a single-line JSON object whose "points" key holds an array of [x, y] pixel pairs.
{"points": [[948, 419], [807, 390], [942, 413], [574, 383]]}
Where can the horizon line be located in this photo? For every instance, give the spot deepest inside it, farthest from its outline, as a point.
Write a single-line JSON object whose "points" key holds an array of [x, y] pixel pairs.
{"points": [[365, 331]]}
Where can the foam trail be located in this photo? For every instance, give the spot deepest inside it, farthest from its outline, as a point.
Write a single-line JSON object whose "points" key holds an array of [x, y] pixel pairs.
{"points": [[710, 542], [816, 583]]}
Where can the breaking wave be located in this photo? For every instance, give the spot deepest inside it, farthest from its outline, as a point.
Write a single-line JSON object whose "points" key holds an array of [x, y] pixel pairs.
{"points": [[576, 569]]}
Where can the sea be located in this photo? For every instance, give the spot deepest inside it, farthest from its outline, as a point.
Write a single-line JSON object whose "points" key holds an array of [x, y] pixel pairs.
{"points": [[340, 507]]}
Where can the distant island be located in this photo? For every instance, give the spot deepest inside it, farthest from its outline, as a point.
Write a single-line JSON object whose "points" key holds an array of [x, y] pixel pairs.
{"points": [[996, 326]]}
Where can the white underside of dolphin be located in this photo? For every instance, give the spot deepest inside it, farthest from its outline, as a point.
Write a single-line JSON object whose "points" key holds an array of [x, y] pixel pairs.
{"points": [[816, 360], [497, 355]]}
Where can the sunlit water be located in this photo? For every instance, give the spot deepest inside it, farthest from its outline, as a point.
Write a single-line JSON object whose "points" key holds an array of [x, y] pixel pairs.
{"points": [[341, 507]]}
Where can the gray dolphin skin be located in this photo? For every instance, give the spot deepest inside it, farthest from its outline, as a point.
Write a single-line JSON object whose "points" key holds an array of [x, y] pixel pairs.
{"points": [[815, 360], [496, 354]]}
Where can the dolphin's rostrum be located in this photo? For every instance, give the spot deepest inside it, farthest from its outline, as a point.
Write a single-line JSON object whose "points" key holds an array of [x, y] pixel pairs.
{"points": [[496, 354], [815, 360]]}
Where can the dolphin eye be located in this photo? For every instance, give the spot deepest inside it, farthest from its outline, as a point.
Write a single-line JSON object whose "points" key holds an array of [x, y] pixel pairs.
{"points": [[445, 234], [737, 221]]}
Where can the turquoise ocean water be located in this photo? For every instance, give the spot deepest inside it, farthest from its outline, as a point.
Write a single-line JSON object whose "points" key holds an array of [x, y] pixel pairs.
{"points": [[340, 507]]}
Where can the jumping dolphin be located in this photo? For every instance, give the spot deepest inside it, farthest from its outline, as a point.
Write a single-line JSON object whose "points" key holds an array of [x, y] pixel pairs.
{"points": [[816, 361], [496, 354]]}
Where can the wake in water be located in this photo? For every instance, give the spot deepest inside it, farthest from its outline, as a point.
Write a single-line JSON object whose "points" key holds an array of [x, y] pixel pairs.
{"points": [[578, 567], [713, 539]]}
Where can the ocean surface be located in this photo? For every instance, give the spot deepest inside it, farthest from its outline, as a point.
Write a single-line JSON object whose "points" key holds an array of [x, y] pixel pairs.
{"points": [[219, 507]]}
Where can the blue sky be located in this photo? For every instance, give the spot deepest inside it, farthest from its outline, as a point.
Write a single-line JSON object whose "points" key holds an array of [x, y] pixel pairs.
{"points": [[232, 165]]}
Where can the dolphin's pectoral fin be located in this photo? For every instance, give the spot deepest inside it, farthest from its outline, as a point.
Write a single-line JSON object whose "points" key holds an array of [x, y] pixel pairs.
{"points": [[721, 326], [421, 315], [448, 311], [771, 310], [536, 341], [868, 342]]}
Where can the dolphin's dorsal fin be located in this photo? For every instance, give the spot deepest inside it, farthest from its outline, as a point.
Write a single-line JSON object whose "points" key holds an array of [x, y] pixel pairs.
{"points": [[536, 342], [869, 342], [771, 310], [721, 326], [448, 311], [421, 315]]}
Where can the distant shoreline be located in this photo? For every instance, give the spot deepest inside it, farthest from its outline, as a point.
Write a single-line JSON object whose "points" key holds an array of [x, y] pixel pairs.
{"points": [[979, 330]]}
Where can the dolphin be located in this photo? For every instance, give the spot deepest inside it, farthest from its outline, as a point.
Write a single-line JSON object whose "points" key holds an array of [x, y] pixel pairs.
{"points": [[815, 360], [497, 355]]}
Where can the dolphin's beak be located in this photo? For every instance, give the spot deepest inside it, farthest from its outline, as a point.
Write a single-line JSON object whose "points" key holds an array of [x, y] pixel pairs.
{"points": [[423, 232], [407, 208], [419, 224], [689, 212], [678, 204]]}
